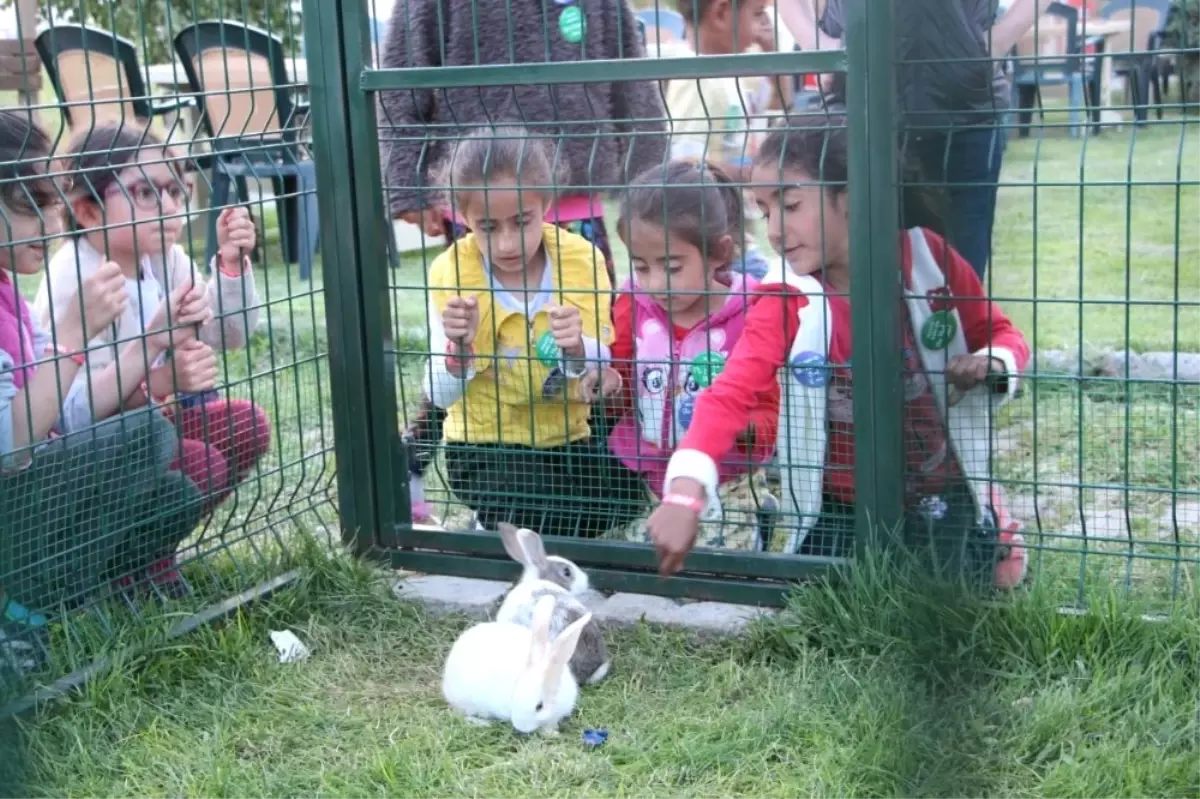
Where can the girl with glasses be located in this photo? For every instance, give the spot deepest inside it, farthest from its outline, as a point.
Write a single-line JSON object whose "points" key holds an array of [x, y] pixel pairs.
{"points": [[129, 206]]}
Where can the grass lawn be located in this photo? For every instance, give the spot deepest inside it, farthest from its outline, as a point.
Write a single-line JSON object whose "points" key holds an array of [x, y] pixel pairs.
{"points": [[1106, 249], [875, 690]]}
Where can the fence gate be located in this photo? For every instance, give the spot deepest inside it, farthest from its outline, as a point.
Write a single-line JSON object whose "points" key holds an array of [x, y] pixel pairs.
{"points": [[377, 320]]}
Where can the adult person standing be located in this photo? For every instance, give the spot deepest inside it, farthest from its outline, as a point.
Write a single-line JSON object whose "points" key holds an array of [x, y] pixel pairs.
{"points": [[952, 97]]}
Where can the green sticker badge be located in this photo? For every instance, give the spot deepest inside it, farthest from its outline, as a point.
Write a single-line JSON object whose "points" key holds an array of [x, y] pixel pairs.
{"points": [[572, 24], [706, 366], [939, 330], [547, 350]]}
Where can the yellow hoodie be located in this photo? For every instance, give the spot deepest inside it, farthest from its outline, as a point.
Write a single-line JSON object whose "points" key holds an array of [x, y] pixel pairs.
{"points": [[517, 391]]}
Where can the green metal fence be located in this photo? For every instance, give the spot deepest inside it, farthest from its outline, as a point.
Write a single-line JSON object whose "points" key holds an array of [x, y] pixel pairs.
{"points": [[1095, 257], [193, 458]]}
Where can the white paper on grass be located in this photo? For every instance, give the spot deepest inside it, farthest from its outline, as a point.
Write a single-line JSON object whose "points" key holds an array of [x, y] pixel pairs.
{"points": [[291, 648]]}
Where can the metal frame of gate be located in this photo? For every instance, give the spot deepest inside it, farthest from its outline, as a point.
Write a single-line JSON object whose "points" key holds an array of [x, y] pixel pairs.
{"points": [[355, 232]]}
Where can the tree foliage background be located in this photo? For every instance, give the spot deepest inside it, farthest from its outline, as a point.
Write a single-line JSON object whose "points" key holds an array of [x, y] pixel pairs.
{"points": [[151, 24]]}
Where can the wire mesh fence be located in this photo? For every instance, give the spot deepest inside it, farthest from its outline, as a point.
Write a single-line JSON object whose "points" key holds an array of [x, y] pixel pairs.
{"points": [[1032, 404], [777, 273], [165, 402]]}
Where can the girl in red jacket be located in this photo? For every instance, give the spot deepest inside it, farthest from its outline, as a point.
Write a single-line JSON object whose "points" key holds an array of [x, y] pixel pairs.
{"points": [[962, 359], [675, 324]]}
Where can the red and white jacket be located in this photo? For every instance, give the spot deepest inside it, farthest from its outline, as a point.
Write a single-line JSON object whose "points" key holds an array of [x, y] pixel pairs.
{"points": [[799, 334]]}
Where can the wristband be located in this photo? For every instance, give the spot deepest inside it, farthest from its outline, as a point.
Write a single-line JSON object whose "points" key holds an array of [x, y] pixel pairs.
{"points": [[80, 358], [230, 273], [684, 501]]}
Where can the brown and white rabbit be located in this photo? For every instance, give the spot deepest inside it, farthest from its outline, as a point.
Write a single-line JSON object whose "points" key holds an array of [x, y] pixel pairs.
{"points": [[552, 576]]}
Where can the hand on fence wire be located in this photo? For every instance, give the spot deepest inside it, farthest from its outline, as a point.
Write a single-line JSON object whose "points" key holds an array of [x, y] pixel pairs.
{"points": [[566, 325], [675, 523], [964, 372], [599, 383], [192, 369], [178, 317], [104, 299], [236, 236], [460, 320]]}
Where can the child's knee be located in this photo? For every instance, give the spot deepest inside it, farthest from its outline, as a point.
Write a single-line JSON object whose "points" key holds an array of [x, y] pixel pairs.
{"points": [[251, 426], [205, 466]]}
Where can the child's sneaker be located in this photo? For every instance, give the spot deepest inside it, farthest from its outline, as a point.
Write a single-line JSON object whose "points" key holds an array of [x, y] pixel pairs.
{"points": [[766, 516], [23, 640], [161, 580], [168, 580], [422, 511], [1013, 562]]}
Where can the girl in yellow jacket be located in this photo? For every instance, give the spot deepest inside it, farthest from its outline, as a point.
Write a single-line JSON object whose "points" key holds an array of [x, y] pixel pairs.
{"points": [[518, 313]]}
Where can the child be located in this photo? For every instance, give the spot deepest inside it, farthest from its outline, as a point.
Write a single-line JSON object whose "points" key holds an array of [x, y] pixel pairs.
{"points": [[70, 501], [962, 355], [517, 313], [714, 118], [676, 323], [129, 204], [607, 133]]}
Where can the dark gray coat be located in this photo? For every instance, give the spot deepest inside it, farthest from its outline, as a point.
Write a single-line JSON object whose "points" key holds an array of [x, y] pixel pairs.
{"points": [[957, 85], [414, 125]]}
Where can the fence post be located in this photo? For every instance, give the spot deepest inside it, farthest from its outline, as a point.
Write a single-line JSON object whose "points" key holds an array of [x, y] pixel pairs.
{"points": [[875, 277], [354, 260]]}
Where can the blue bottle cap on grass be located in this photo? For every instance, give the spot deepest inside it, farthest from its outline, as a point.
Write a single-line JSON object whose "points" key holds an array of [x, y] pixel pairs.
{"points": [[594, 737]]}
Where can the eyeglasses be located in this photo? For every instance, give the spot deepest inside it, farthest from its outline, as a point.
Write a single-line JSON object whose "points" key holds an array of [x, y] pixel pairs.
{"points": [[150, 196]]}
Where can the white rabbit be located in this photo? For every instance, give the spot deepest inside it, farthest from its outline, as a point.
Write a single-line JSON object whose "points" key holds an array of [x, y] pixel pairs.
{"points": [[506, 672], [563, 580]]}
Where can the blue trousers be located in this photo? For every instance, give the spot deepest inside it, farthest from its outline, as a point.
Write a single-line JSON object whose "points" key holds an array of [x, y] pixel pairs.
{"points": [[966, 165]]}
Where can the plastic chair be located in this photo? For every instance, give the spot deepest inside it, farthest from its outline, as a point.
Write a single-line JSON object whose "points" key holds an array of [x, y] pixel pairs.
{"points": [[1034, 67], [1133, 53], [106, 82], [243, 90]]}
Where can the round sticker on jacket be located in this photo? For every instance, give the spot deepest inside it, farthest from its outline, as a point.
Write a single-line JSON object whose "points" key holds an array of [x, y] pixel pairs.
{"points": [[939, 330], [687, 407], [572, 24], [705, 368], [810, 369], [547, 349]]}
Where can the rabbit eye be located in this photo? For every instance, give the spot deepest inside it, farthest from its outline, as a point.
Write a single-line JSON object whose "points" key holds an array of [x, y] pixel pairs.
{"points": [[566, 570], [538, 708]]}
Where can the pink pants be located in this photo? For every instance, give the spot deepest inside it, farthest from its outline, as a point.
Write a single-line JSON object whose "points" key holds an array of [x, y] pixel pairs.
{"points": [[222, 440]]}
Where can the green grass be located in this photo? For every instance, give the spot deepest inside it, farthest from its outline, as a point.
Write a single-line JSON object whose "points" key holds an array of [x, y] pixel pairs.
{"points": [[1115, 223], [880, 688]]}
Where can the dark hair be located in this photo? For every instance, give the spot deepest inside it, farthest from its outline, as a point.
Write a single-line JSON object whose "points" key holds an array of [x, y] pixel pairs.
{"points": [[27, 184], [97, 156], [817, 145], [693, 11], [694, 201], [484, 156]]}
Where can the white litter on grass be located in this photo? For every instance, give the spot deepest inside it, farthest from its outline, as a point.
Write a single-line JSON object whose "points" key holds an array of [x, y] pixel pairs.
{"points": [[291, 649]]}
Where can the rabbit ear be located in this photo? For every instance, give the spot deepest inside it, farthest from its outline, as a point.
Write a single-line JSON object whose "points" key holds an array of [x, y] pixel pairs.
{"points": [[510, 536], [531, 545], [543, 613], [563, 648]]}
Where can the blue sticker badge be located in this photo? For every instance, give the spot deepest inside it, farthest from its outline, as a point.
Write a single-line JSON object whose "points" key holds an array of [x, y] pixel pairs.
{"points": [[810, 369], [554, 383], [687, 407]]}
